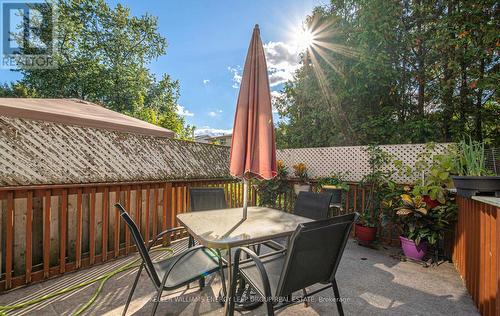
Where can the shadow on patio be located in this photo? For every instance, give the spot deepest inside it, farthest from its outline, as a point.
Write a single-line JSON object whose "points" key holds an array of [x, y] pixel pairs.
{"points": [[371, 281]]}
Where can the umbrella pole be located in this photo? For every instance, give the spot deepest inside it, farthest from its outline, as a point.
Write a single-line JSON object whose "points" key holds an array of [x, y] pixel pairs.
{"points": [[245, 198]]}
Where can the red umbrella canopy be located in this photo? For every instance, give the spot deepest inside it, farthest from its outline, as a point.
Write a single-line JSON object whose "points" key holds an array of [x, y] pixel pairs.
{"points": [[253, 147]]}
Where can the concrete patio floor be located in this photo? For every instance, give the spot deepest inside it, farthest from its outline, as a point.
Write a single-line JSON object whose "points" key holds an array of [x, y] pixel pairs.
{"points": [[372, 282]]}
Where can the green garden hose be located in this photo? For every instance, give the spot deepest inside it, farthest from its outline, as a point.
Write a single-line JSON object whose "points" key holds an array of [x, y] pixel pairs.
{"points": [[103, 279]]}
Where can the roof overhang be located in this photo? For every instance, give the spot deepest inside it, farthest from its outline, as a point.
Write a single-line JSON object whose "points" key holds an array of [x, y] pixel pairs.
{"points": [[78, 112]]}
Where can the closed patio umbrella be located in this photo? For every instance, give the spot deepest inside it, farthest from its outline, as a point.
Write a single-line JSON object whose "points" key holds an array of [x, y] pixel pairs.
{"points": [[253, 147]]}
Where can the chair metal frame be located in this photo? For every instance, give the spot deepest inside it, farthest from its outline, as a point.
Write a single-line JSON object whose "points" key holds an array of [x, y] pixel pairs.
{"points": [[274, 302], [147, 263], [336, 201], [218, 193]]}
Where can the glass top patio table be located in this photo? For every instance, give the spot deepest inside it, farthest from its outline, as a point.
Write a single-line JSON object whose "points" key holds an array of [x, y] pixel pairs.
{"points": [[225, 228]]}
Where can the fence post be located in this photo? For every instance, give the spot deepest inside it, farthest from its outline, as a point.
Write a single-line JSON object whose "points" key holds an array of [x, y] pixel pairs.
{"points": [[63, 232], [46, 234], [9, 240], [167, 209]]}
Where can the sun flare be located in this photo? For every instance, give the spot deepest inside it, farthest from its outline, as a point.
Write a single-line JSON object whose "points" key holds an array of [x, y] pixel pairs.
{"points": [[303, 39]]}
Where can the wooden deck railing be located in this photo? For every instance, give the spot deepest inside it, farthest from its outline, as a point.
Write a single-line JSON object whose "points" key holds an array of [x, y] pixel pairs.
{"points": [[477, 251], [52, 229]]}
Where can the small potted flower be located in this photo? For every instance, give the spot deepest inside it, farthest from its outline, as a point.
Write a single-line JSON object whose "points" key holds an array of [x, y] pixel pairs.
{"points": [[300, 171]]}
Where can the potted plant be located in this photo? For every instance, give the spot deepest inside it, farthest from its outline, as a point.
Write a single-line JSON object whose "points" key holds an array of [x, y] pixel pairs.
{"points": [[380, 189], [433, 174], [365, 229], [421, 225], [473, 177], [415, 233], [300, 171]]}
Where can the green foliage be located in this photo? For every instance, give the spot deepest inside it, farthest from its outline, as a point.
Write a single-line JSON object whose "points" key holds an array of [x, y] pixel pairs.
{"points": [[382, 190], [102, 56], [432, 172], [471, 158], [367, 220], [16, 90], [269, 190], [336, 179], [419, 222], [395, 72]]}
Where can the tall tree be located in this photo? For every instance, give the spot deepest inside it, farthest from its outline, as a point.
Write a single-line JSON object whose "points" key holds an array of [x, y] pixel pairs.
{"points": [[102, 56], [395, 71]]}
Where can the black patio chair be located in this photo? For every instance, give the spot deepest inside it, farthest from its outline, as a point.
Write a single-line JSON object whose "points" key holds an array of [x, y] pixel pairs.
{"points": [[308, 204], [313, 205], [206, 199], [173, 272], [314, 255], [336, 201]]}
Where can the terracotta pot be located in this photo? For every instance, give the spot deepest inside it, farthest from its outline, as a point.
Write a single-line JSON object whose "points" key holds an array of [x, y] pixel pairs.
{"points": [[297, 188], [411, 250], [365, 235]]}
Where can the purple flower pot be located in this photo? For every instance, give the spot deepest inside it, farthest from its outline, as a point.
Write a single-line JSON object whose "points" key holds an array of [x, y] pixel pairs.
{"points": [[411, 250]]}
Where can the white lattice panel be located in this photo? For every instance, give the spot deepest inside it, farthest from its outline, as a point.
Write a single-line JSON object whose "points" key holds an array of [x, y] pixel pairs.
{"points": [[322, 162]]}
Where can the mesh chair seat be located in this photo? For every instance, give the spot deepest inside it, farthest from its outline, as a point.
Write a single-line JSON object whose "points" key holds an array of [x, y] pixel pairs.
{"points": [[188, 269], [272, 264]]}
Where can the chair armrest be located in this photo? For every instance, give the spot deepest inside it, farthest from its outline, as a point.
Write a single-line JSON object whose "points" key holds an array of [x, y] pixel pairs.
{"points": [[270, 243], [272, 253], [274, 245], [165, 232], [258, 263]]}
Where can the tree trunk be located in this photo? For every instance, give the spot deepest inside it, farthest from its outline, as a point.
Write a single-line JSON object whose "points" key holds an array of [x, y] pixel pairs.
{"points": [[479, 104], [420, 63], [463, 93], [447, 102], [448, 83]]}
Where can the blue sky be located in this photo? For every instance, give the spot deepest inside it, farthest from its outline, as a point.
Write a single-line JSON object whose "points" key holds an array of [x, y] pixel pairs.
{"points": [[207, 45]]}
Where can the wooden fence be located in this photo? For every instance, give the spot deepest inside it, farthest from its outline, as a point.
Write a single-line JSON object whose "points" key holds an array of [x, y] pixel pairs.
{"points": [[476, 253], [53, 229]]}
